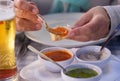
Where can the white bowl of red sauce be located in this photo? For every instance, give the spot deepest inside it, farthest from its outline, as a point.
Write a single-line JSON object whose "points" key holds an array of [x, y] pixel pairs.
{"points": [[60, 55]]}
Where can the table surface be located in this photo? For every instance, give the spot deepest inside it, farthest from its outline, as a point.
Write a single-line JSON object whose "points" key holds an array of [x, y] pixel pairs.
{"points": [[29, 57]]}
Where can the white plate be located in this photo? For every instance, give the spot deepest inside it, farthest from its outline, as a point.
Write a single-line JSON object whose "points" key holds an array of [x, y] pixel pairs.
{"points": [[43, 37], [37, 72]]}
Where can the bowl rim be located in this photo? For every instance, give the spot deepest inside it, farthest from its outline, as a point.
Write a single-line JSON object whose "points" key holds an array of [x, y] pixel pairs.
{"points": [[67, 50], [99, 70]]}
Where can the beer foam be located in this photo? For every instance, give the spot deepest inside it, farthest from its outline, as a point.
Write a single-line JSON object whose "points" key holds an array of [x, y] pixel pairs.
{"points": [[6, 14]]}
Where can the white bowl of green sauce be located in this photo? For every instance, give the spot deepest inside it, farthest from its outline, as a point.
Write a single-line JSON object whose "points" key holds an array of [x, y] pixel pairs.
{"points": [[82, 72]]}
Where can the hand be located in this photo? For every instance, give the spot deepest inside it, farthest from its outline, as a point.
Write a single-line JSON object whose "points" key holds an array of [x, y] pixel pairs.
{"points": [[26, 16], [93, 25]]}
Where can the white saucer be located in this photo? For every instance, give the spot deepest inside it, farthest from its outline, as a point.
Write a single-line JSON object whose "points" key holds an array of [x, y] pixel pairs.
{"points": [[37, 72]]}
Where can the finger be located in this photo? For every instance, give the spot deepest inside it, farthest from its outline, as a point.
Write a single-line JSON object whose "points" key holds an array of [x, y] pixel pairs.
{"points": [[97, 27], [92, 30], [24, 5], [93, 25], [79, 38], [80, 33], [88, 31], [25, 25], [25, 14], [84, 19]]}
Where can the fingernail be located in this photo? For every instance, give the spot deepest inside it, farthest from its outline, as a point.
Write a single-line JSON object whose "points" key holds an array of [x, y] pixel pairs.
{"points": [[40, 19], [38, 26], [34, 11]]}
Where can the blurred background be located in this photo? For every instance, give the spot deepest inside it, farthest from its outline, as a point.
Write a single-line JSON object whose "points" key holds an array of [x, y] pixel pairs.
{"points": [[58, 6]]}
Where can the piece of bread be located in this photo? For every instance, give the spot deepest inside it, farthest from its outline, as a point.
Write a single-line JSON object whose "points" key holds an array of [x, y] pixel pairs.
{"points": [[63, 29]]}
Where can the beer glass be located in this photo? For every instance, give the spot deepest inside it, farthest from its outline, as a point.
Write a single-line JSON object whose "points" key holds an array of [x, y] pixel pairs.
{"points": [[8, 70]]}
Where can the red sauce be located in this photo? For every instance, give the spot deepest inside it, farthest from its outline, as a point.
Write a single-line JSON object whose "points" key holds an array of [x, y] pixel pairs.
{"points": [[58, 55], [61, 29], [7, 73]]}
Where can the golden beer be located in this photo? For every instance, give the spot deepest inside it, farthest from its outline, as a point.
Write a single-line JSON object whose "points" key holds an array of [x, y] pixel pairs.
{"points": [[7, 44]]}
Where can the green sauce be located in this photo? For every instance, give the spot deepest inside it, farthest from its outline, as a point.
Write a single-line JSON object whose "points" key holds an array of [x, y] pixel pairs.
{"points": [[81, 73]]}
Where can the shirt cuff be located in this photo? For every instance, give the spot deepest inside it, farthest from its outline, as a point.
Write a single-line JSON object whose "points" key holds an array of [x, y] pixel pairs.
{"points": [[114, 14]]}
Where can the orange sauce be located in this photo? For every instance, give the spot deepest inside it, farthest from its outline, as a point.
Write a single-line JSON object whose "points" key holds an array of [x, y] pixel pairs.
{"points": [[63, 30], [58, 55]]}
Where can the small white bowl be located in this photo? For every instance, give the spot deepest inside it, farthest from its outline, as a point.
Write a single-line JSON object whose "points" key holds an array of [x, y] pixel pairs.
{"points": [[51, 66], [101, 62], [117, 79], [82, 65]]}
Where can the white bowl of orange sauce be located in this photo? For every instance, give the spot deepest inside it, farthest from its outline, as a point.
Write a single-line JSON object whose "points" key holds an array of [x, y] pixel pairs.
{"points": [[62, 56]]}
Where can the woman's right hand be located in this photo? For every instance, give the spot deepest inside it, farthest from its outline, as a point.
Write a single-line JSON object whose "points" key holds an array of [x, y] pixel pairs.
{"points": [[26, 16]]}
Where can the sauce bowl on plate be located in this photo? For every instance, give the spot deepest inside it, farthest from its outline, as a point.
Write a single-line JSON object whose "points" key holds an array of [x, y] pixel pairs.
{"points": [[81, 72], [60, 55], [85, 55]]}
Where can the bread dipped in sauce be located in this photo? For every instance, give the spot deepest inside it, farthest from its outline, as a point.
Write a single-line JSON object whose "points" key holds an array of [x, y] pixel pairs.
{"points": [[63, 30]]}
